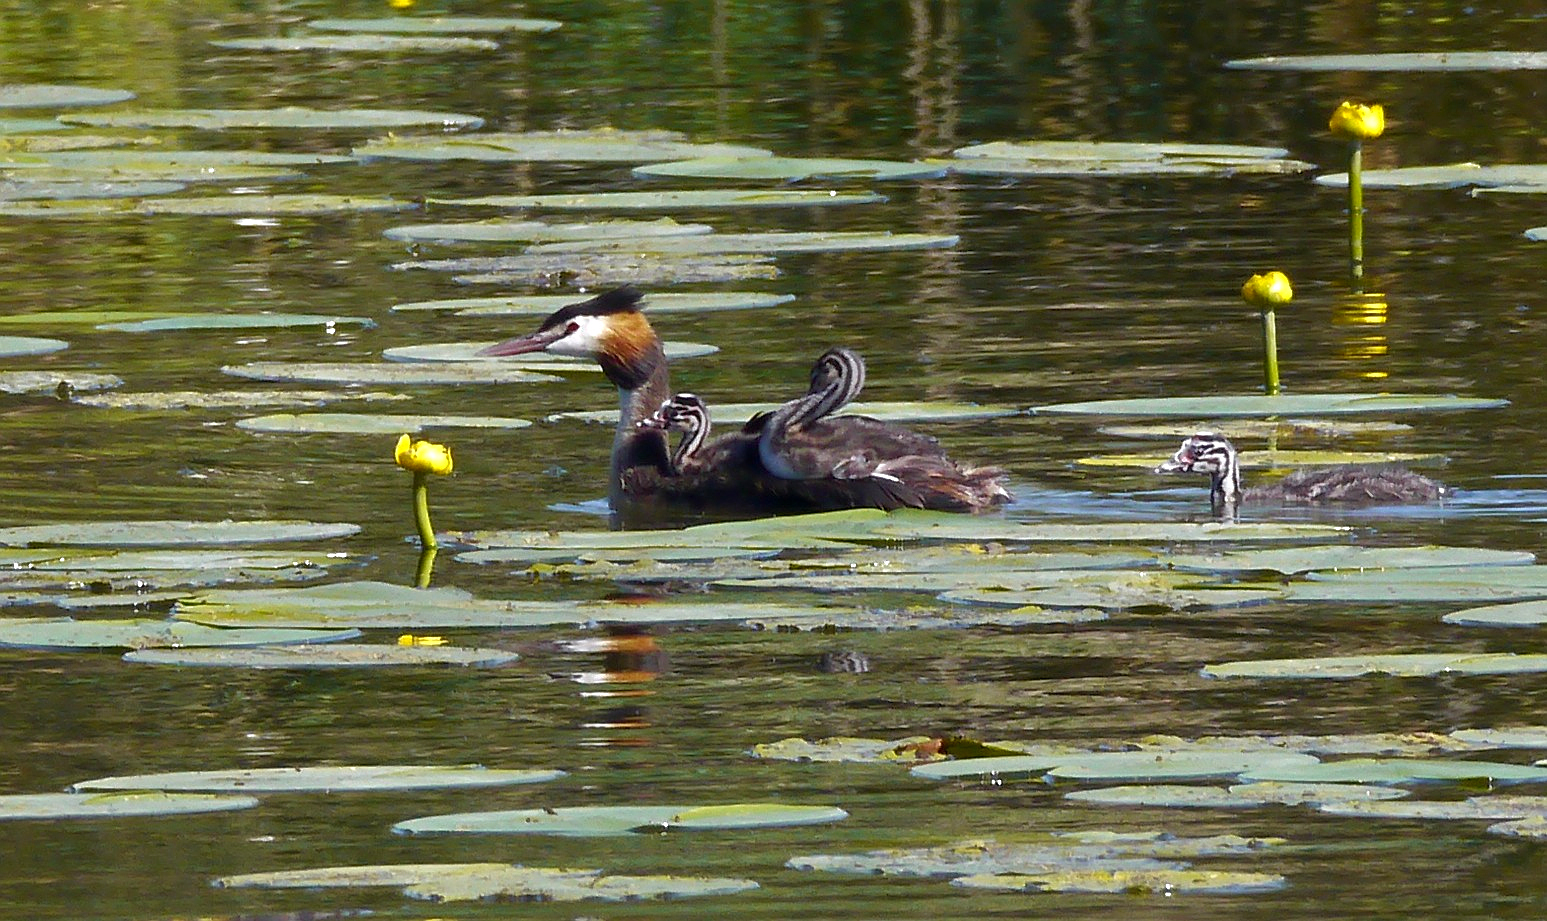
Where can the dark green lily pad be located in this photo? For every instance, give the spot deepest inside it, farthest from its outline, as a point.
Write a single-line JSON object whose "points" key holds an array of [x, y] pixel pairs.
{"points": [[1400, 62], [1128, 882], [1268, 459], [1286, 404], [362, 424], [384, 44], [51, 382], [1403, 665], [1517, 614], [92, 189], [603, 145], [336, 655], [790, 169], [1397, 771], [891, 411], [782, 242], [17, 346], [229, 399], [664, 201], [151, 634], [632, 232], [171, 533], [436, 25], [57, 96], [375, 373], [1348, 557], [1238, 796], [115, 805], [540, 305], [283, 117], [594, 821], [234, 321], [1450, 176], [344, 779], [293, 204], [540, 361]]}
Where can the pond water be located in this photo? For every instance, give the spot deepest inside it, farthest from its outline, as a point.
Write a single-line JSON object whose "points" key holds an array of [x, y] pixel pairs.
{"points": [[1060, 290]]}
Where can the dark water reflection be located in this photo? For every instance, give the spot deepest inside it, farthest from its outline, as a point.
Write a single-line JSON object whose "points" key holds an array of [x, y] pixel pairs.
{"points": [[1061, 290]]}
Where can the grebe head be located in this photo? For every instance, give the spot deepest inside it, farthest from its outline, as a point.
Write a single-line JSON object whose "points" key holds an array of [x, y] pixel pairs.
{"points": [[609, 328], [1204, 452], [683, 412]]}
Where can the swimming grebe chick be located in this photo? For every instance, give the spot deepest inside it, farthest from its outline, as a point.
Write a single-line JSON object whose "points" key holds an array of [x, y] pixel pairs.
{"points": [[684, 413], [1382, 484]]}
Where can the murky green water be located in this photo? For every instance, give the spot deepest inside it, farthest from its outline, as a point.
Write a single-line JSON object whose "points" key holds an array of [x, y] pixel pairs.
{"points": [[1060, 290]]}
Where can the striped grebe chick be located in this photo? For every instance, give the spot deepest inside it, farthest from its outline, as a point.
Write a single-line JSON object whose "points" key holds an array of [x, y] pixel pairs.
{"points": [[685, 413]]}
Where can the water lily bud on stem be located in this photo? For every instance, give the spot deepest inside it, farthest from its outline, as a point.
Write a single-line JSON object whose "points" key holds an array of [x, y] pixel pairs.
{"points": [[423, 458], [1265, 292], [1358, 123]]}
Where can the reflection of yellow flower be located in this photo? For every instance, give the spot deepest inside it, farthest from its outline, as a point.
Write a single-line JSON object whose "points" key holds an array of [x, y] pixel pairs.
{"points": [[1268, 290], [409, 639], [1358, 122], [422, 456], [400, 4]]}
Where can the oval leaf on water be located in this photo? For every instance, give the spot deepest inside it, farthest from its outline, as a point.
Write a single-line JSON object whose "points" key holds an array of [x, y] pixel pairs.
{"points": [[337, 655], [57, 96], [1510, 737], [900, 411], [482, 372], [540, 232], [1172, 765], [590, 821], [50, 382], [436, 25], [258, 205], [1115, 150], [385, 44], [587, 271], [664, 201], [283, 117], [1183, 167], [1254, 428], [392, 874], [1517, 614], [91, 189], [151, 634], [1261, 405], [1450, 176], [115, 805], [1402, 665], [594, 146], [233, 321], [831, 241], [18, 346], [540, 305], [362, 424], [536, 884], [342, 779], [468, 352], [1491, 808], [171, 533], [1238, 796], [791, 169], [1401, 62], [1001, 766], [229, 399], [1347, 557], [1128, 882], [1435, 583], [1397, 771]]}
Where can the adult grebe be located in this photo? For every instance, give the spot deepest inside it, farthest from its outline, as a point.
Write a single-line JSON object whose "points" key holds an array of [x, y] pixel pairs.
{"points": [[1214, 455], [728, 472]]}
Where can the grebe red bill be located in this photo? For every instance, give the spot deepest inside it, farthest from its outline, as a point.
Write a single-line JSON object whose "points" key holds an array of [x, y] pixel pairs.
{"points": [[1354, 484]]}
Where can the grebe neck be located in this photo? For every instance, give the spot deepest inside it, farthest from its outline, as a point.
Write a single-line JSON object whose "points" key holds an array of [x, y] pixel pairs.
{"points": [[643, 383]]}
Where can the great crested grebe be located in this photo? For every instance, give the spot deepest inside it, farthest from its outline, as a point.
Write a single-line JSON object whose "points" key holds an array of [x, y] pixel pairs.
{"points": [[688, 414], [727, 473], [1384, 484]]}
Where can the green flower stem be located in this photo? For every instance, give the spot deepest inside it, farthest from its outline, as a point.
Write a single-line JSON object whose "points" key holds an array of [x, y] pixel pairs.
{"points": [[1356, 210], [426, 566], [422, 510], [1270, 352]]}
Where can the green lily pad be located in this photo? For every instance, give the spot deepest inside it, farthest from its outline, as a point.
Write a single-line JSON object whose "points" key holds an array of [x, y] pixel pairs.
{"points": [[504, 231], [361, 424], [1397, 771], [1491, 808], [1403, 665], [841, 749], [1255, 428], [1267, 459], [844, 619], [48, 559], [1539, 234], [790, 169], [1112, 591], [336, 655], [27, 126], [436, 25], [229, 399], [593, 821], [1512, 737], [171, 533], [595, 146], [392, 874], [540, 305], [1450, 176], [91, 189], [664, 201], [292, 204], [890, 411], [1516, 614], [73, 208], [783, 242], [1063, 151], [468, 352], [150, 634], [1175, 765], [343, 779], [52, 382], [374, 373], [1238, 796], [1085, 160], [525, 884], [384, 44], [1347, 557], [234, 321], [1128, 882], [115, 805], [1400, 62], [57, 96], [283, 117], [1031, 766], [1436, 583], [1531, 826], [16, 346], [587, 271], [1286, 404], [137, 159]]}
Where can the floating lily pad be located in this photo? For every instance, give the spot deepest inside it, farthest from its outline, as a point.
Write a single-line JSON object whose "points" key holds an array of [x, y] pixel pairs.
{"points": [[1511, 737], [540, 305], [229, 399], [51, 382], [592, 821], [394, 874], [73, 208], [1128, 882], [171, 533], [362, 424], [436, 25], [1348, 557], [831, 619], [1174, 765], [1120, 158], [92, 189], [1254, 428], [468, 352], [1268, 459], [336, 655], [1063, 151], [343, 779], [66, 560], [16, 346], [891, 411], [596, 146], [1450, 176], [115, 805], [386, 44], [1403, 665], [283, 117], [1539, 234], [1397, 771], [150, 634], [302, 204], [790, 169], [1238, 796], [1491, 808], [1402, 62], [57, 96], [831, 241], [1531, 826], [586, 271], [1436, 583], [27, 126], [539, 232], [664, 201], [1287, 404], [842, 749], [215, 160], [1030, 766], [374, 373], [234, 321], [1517, 614], [525, 884]]}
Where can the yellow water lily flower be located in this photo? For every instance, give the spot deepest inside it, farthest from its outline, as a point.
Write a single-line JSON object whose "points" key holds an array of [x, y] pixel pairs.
{"points": [[1358, 122], [1268, 290], [422, 456]]}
